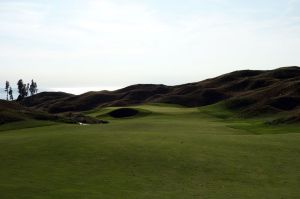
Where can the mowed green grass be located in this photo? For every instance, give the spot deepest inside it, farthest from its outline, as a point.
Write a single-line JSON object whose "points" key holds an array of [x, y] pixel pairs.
{"points": [[168, 153]]}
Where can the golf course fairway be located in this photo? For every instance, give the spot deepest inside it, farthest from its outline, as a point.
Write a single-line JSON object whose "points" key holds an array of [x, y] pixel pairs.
{"points": [[163, 152]]}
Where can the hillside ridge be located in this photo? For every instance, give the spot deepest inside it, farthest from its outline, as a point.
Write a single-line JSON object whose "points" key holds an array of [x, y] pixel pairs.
{"points": [[252, 92]]}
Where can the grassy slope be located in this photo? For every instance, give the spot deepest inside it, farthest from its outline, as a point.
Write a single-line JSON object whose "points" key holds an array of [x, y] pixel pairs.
{"points": [[172, 153]]}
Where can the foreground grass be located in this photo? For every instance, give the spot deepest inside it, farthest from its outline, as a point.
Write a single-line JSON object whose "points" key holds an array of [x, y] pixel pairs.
{"points": [[168, 153]]}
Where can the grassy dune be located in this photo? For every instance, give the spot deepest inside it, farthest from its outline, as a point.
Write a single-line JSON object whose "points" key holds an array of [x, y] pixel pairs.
{"points": [[166, 152]]}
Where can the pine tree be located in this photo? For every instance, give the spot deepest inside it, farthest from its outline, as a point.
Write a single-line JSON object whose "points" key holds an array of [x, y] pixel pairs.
{"points": [[27, 89], [6, 89], [11, 94], [33, 88], [21, 89]]}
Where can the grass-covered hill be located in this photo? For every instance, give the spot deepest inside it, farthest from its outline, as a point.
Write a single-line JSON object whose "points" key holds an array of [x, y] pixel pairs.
{"points": [[11, 112], [251, 92], [44, 99]]}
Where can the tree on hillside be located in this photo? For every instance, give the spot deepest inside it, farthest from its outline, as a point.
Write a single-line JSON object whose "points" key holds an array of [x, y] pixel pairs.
{"points": [[27, 89], [6, 89], [33, 88], [21, 89], [10, 92]]}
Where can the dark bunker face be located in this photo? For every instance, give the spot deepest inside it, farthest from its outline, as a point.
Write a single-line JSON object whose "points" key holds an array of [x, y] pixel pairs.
{"points": [[123, 112]]}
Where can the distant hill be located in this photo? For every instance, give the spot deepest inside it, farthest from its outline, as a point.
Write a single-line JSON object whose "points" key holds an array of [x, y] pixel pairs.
{"points": [[252, 92], [11, 111]]}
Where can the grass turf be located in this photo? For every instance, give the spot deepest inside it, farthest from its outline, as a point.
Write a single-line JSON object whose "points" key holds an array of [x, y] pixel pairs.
{"points": [[168, 153]]}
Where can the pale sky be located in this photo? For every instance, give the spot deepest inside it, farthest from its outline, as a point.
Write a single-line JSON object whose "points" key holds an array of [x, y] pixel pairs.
{"points": [[114, 43]]}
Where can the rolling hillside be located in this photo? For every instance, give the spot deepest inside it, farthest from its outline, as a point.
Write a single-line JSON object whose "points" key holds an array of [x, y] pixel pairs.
{"points": [[249, 92], [11, 112]]}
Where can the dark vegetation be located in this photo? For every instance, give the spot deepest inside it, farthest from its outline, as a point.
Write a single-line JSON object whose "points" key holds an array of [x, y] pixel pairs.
{"points": [[9, 91], [286, 120], [26, 89], [23, 89], [14, 112], [42, 100], [81, 118]]}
